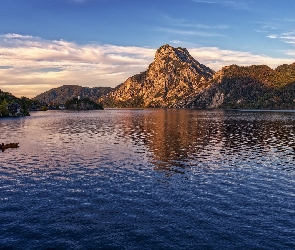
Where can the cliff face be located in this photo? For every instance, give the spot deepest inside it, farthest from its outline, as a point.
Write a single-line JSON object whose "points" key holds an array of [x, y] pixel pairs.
{"points": [[66, 92], [172, 78]]}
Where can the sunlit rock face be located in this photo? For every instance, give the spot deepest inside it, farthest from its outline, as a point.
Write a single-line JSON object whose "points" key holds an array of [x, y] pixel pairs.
{"points": [[171, 80], [176, 80]]}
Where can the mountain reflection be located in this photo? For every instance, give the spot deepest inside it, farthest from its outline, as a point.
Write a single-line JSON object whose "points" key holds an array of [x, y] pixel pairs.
{"points": [[178, 140], [168, 140], [177, 135]]}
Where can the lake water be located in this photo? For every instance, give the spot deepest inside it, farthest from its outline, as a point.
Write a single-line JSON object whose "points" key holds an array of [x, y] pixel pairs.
{"points": [[148, 179]]}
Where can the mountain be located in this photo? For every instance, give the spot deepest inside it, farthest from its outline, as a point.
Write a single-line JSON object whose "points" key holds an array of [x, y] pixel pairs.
{"points": [[253, 87], [172, 77], [176, 80], [67, 92]]}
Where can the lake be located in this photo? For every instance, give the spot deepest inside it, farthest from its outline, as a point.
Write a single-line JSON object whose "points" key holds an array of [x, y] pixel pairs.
{"points": [[148, 179]]}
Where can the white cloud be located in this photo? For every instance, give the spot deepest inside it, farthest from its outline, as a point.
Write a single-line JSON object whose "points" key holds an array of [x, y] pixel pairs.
{"points": [[290, 52], [42, 64], [84, 1], [231, 3], [190, 32], [216, 58], [188, 24], [79, 1], [31, 65], [288, 37], [272, 36]]}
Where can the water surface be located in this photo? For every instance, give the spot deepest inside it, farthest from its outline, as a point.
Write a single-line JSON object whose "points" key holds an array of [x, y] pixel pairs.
{"points": [[148, 179]]}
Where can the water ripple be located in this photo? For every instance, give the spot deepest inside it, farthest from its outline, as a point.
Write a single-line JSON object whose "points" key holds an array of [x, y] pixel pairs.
{"points": [[142, 179]]}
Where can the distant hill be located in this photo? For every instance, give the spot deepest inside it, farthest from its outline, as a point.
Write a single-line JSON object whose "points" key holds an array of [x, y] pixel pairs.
{"points": [[254, 87], [66, 92], [176, 80]]}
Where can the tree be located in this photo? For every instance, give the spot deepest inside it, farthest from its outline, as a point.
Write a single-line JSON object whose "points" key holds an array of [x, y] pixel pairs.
{"points": [[3, 108]]}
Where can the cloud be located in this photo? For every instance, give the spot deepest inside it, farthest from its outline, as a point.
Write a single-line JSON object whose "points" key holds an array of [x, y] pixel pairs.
{"points": [[181, 22], [288, 37], [216, 58], [290, 52], [31, 65], [190, 32], [35, 62], [79, 1], [272, 36], [266, 27], [269, 29], [84, 1], [233, 4]]}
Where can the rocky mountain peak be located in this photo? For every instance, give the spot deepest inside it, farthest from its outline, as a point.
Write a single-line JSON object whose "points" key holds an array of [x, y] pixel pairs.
{"points": [[169, 58], [174, 75], [167, 51]]}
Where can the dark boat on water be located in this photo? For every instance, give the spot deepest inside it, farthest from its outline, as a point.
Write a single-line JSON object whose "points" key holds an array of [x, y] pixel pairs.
{"points": [[9, 145]]}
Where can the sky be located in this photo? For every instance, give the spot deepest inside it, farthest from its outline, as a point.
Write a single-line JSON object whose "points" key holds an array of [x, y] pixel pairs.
{"points": [[48, 43]]}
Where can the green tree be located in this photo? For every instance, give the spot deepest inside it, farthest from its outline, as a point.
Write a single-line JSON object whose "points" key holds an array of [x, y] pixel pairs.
{"points": [[3, 108]]}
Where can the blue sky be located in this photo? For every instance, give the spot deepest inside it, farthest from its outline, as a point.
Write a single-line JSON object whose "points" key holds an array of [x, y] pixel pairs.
{"points": [[48, 43]]}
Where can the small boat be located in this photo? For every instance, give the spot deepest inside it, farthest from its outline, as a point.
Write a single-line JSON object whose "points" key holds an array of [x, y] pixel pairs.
{"points": [[9, 145]]}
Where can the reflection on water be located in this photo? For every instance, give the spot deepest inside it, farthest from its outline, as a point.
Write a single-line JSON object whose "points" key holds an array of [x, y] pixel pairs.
{"points": [[139, 179], [178, 139]]}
